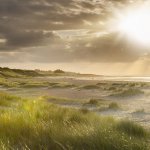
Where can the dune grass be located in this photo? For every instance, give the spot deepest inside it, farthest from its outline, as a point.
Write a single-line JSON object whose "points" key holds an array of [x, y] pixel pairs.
{"points": [[114, 106], [30, 84], [62, 85], [128, 92], [93, 102], [7, 99], [132, 129], [140, 111], [7, 83], [61, 100], [89, 87], [38, 125], [103, 105]]}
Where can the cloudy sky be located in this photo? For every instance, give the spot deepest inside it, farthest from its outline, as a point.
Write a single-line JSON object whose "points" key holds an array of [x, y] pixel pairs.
{"points": [[74, 35]]}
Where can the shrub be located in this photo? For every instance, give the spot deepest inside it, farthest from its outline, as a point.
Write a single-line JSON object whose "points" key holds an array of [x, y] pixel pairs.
{"points": [[114, 106], [93, 102]]}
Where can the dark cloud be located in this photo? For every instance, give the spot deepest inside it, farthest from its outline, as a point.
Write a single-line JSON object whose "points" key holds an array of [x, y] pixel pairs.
{"points": [[22, 22], [28, 26], [111, 47], [17, 39], [108, 48]]}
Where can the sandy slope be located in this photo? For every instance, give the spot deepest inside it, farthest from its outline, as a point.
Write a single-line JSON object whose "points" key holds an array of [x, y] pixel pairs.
{"points": [[135, 107]]}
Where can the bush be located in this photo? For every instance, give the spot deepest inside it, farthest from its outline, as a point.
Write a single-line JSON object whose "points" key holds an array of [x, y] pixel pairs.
{"points": [[93, 102], [114, 106]]}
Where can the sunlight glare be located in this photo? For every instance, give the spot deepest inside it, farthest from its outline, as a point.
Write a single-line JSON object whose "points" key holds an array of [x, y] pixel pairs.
{"points": [[136, 25]]}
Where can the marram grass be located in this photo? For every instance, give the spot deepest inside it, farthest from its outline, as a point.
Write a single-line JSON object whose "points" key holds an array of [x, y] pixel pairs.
{"points": [[38, 125]]}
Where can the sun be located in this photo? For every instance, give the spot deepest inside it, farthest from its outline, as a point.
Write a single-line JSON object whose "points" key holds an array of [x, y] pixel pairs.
{"points": [[136, 25]]}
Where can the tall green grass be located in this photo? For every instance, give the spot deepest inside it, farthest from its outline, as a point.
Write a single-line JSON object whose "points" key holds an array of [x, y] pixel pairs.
{"points": [[7, 99], [38, 125]]}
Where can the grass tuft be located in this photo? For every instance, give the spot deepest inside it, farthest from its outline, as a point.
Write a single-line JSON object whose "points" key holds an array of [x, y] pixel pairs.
{"points": [[139, 111], [132, 129], [88, 87], [128, 92], [93, 102], [113, 106], [7, 99]]}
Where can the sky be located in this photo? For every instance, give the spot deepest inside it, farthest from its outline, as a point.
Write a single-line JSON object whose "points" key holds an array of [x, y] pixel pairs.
{"points": [[73, 35]]}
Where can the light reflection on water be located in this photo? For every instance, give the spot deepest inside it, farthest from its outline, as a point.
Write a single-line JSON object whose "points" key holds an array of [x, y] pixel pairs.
{"points": [[109, 78]]}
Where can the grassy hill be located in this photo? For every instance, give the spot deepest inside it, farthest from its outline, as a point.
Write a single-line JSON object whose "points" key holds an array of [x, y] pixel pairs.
{"points": [[7, 72]]}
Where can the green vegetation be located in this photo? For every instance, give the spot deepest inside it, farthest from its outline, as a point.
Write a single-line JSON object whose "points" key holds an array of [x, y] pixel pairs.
{"points": [[93, 102], [84, 110], [6, 83], [19, 73], [36, 124], [18, 78], [113, 106], [59, 71], [102, 105], [139, 111], [22, 83], [30, 83], [40, 124], [96, 102], [59, 100], [62, 85], [128, 92], [7, 99], [7, 72], [109, 106], [90, 87], [33, 84], [122, 85], [132, 129]]}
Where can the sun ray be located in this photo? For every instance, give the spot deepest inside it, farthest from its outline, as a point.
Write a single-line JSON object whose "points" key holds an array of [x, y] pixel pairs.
{"points": [[135, 23]]}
